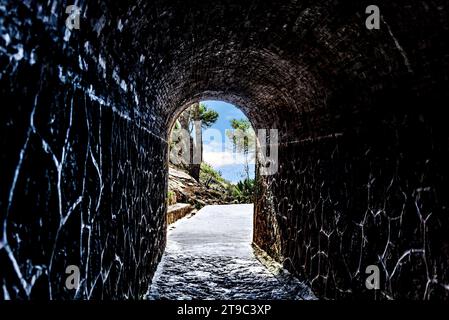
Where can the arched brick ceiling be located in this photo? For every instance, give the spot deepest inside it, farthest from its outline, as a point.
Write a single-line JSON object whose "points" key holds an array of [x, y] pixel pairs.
{"points": [[272, 59]]}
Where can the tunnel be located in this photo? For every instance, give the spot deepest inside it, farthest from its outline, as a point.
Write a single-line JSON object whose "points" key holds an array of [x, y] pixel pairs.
{"points": [[363, 146]]}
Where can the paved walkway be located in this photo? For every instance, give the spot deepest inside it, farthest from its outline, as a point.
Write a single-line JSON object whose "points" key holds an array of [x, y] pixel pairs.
{"points": [[209, 256]]}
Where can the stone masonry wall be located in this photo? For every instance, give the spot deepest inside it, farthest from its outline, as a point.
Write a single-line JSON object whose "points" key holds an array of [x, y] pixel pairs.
{"points": [[374, 196], [81, 179]]}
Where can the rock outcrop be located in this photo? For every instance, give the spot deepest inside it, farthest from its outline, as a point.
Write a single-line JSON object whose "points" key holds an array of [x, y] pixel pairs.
{"points": [[196, 193]]}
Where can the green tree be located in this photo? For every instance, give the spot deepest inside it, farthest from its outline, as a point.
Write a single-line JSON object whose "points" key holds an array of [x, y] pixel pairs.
{"points": [[194, 119], [207, 116], [243, 139]]}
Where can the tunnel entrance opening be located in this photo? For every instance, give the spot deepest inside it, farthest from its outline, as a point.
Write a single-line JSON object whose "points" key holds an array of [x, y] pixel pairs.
{"points": [[210, 216], [212, 156]]}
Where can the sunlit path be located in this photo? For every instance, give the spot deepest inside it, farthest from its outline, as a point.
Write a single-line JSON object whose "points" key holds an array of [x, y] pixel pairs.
{"points": [[209, 256]]}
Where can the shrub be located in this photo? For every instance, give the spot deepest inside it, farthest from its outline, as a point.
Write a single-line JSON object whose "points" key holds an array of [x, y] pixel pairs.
{"points": [[171, 197], [243, 191]]}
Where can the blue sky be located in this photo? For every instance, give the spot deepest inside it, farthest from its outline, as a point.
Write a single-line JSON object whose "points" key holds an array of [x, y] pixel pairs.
{"points": [[219, 154]]}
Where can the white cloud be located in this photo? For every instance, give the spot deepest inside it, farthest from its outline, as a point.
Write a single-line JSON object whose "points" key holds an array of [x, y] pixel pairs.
{"points": [[219, 155], [220, 159]]}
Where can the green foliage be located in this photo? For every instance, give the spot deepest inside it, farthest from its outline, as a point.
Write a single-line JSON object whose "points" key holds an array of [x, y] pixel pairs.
{"points": [[207, 116], [207, 174], [191, 118], [199, 112], [242, 124], [243, 191], [171, 197], [243, 136]]}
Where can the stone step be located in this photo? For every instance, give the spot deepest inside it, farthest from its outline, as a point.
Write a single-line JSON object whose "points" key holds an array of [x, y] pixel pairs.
{"points": [[178, 211]]}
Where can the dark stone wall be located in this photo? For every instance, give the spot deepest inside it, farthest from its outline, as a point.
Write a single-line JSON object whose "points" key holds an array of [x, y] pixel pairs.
{"points": [[362, 175], [373, 197], [363, 145], [81, 179]]}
